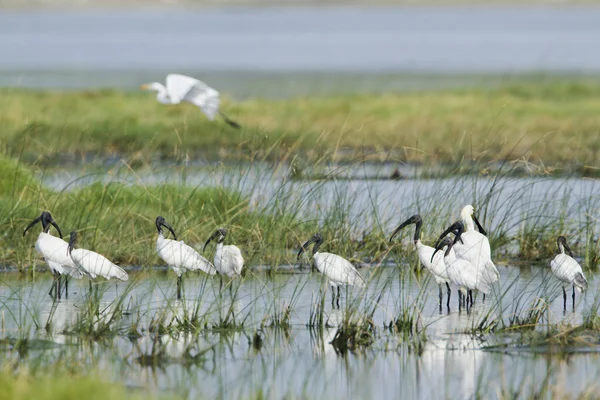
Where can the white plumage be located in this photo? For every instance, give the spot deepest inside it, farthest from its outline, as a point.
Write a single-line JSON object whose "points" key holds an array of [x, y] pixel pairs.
{"points": [[228, 259], [476, 247], [462, 273], [431, 261], [178, 255], [181, 257], [93, 264], [567, 270], [184, 88], [338, 270], [54, 251]]}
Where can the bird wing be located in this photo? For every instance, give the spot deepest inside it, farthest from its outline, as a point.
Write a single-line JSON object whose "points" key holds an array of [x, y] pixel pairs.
{"points": [[178, 86], [96, 264], [206, 98], [185, 88], [53, 249], [567, 270], [192, 260], [71, 271], [232, 257], [338, 269], [437, 267]]}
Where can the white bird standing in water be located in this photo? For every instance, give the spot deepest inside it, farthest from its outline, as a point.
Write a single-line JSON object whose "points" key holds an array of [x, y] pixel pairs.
{"points": [[475, 246], [178, 255], [461, 272], [436, 264], [93, 264], [338, 270], [228, 259], [567, 270], [54, 251], [184, 88]]}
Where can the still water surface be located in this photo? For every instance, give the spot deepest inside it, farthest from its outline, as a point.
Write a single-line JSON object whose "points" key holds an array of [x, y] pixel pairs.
{"points": [[301, 360]]}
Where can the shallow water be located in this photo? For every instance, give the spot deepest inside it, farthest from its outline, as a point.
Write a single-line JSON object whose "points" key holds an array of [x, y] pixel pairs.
{"points": [[506, 204], [299, 359]]}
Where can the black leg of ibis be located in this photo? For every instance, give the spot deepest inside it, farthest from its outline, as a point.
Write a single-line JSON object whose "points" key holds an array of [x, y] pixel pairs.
{"points": [[484, 297], [338, 297], [332, 296], [179, 288], [231, 288], [471, 296], [53, 287], [573, 297], [90, 281], [440, 294], [448, 301], [564, 298], [459, 300], [220, 282], [66, 286], [58, 284]]}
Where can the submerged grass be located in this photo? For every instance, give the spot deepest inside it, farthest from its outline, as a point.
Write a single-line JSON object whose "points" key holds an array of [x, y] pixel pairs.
{"points": [[555, 121]]}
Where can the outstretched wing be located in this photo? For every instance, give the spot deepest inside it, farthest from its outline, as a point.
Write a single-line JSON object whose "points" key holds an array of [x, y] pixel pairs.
{"points": [[185, 88], [178, 86]]}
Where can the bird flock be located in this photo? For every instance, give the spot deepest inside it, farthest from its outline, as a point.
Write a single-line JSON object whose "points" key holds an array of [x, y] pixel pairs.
{"points": [[463, 261]]}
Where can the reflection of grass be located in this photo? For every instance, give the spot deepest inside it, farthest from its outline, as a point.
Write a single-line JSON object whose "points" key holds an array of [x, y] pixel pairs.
{"points": [[429, 127]]}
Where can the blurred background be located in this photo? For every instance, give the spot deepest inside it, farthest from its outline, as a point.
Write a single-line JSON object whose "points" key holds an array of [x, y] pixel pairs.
{"points": [[271, 49]]}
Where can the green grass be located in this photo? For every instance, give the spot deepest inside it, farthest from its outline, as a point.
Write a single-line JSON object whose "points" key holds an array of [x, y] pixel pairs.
{"points": [[551, 123], [117, 219]]}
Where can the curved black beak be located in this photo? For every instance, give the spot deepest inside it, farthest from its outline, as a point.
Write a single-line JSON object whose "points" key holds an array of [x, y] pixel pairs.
{"points": [[452, 228], [214, 235], [164, 223], [304, 247], [35, 221], [568, 249], [481, 230], [72, 240], [55, 225], [402, 225], [445, 241]]}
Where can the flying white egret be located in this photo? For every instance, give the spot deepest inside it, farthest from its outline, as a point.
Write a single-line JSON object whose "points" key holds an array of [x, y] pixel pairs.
{"points": [[178, 255], [54, 251], [93, 264], [435, 265], [461, 272], [475, 246], [567, 270], [184, 88], [228, 259], [339, 270]]}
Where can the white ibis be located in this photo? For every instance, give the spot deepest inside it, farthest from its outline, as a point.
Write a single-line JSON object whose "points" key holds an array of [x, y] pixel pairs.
{"points": [[228, 259], [567, 270], [475, 246], [54, 251], [461, 272], [93, 264], [184, 88], [436, 264], [337, 269], [178, 255]]}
